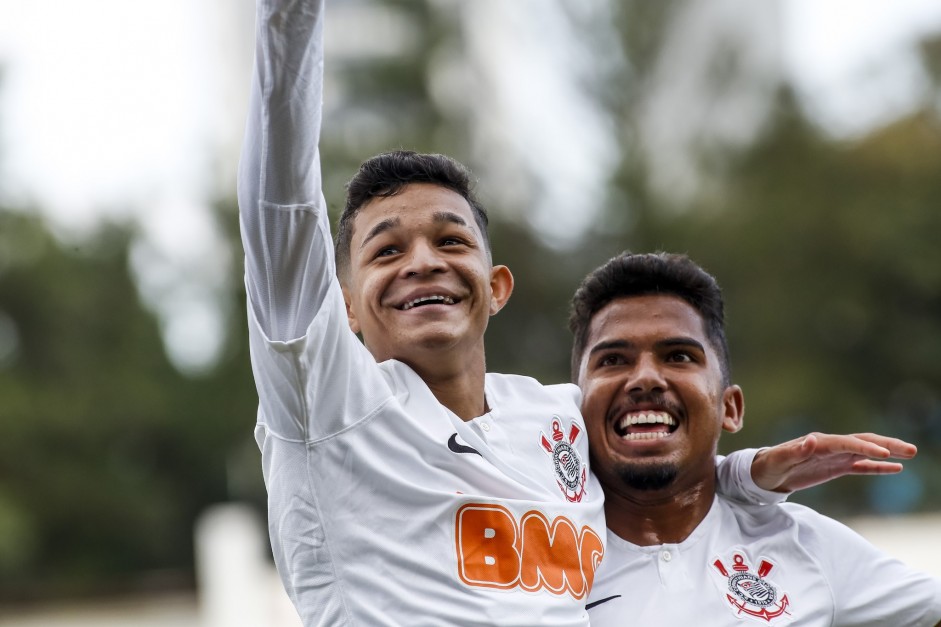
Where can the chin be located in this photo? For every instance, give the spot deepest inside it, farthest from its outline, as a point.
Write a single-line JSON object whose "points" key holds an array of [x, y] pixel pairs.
{"points": [[652, 476], [435, 341]]}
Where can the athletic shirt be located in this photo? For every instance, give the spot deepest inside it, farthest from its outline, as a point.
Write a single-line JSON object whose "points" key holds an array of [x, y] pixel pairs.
{"points": [[385, 508], [744, 565]]}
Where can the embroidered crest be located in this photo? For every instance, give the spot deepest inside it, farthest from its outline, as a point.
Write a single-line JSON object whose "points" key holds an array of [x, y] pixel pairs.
{"points": [[570, 470], [750, 593]]}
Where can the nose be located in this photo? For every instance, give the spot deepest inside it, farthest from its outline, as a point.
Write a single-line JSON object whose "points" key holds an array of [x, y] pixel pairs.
{"points": [[646, 377], [423, 258]]}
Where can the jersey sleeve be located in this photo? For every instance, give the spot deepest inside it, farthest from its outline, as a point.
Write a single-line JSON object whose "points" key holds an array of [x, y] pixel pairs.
{"points": [[284, 224], [734, 480], [313, 375], [869, 587]]}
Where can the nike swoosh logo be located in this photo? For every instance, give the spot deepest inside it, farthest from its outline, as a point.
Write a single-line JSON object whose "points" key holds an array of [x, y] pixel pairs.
{"points": [[460, 448], [600, 601]]}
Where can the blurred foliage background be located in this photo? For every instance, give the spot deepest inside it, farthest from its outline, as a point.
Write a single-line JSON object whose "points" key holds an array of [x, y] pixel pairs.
{"points": [[827, 250]]}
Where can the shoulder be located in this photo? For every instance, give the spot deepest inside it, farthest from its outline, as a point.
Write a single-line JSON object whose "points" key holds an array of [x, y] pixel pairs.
{"points": [[514, 385], [835, 546], [813, 524], [801, 519], [523, 384], [760, 518]]}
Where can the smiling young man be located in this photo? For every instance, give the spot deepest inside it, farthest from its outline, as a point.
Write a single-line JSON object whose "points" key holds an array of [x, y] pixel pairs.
{"points": [[418, 281], [652, 362]]}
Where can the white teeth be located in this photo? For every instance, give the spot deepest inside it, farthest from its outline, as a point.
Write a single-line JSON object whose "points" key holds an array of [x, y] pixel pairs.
{"points": [[646, 418], [645, 436], [447, 300]]}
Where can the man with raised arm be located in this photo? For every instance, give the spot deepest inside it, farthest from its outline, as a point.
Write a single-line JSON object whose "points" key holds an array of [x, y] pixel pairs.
{"points": [[406, 486], [652, 361]]}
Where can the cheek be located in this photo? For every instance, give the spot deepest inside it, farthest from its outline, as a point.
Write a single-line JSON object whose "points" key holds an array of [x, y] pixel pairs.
{"points": [[594, 407], [369, 290]]}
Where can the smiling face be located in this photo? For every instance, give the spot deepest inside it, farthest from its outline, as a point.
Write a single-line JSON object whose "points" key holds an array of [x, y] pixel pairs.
{"points": [[420, 281], [653, 395]]}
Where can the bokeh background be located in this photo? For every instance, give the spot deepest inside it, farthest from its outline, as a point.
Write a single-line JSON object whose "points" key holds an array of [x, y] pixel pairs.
{"points": [[791, 147]]}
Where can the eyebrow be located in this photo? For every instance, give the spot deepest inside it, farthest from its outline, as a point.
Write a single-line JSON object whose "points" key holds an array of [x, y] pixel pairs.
{"points": [[682, 341], [391, 223], [667, 343], [448, 216], [610, 344], [382, 227]]}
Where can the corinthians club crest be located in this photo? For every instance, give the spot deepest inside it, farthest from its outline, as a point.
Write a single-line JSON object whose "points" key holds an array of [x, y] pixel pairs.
{"points": [[750, 593], [570, 470]]}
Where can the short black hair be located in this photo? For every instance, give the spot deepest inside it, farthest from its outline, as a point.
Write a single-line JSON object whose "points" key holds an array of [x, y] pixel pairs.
{"points": [[387, 174], [640, 274]]}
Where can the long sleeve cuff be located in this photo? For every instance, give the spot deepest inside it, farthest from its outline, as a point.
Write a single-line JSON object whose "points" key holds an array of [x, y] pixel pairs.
{"points": [[734, 480]]}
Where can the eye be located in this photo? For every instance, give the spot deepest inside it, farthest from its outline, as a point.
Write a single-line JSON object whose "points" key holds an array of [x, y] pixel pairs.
{"points": [[681, 357], [612, 359], [452, 241], [387, 251]]}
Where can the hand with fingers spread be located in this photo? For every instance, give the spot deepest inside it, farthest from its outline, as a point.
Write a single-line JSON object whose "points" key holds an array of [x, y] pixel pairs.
{"points": [[819, 457]]}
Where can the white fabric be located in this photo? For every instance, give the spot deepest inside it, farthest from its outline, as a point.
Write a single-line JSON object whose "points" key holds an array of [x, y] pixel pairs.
{"points": [[373, 518], [734, 480], [827, 573]]}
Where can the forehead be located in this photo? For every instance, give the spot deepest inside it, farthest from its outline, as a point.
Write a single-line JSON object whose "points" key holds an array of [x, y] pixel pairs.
{"points": [[650, 317], [416, 206]]}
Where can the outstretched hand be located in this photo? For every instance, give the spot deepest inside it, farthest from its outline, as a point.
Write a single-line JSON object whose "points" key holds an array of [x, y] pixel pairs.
{"points": [[819, 457]]}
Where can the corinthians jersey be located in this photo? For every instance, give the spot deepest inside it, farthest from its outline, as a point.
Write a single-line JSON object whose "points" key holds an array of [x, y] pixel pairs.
{"points": [[411, 516], [745, 565]]}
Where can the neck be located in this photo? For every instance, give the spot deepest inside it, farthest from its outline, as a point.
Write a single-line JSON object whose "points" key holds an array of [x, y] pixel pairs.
{"points": [[457, 384], [652, 517]]}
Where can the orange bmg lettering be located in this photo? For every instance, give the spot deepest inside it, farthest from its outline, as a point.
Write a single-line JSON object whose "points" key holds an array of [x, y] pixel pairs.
{"points": [[494, 550]]}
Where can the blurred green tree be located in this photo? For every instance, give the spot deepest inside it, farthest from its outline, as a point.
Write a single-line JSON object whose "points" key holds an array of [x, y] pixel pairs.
{"points": [[108, 453]]}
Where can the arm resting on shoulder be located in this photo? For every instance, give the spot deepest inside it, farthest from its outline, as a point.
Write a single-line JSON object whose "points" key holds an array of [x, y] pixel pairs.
{"points": [[734, 480], [820, 457]]}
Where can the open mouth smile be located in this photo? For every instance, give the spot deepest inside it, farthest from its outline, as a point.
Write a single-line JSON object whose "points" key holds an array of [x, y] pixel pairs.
{"points": [[436, 299], [645, 425]]}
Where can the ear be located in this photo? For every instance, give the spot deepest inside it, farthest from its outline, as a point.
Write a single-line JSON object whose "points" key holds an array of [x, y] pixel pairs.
{"points": [[733, 409], [501, 286], [350, 314]]}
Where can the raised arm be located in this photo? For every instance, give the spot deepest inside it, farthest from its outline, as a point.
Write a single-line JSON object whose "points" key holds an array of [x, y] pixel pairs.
{"points": [[285, 230]]}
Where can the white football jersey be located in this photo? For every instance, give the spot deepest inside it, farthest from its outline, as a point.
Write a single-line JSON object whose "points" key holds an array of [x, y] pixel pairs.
{"points": [[410, 516], [746, 565]]}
